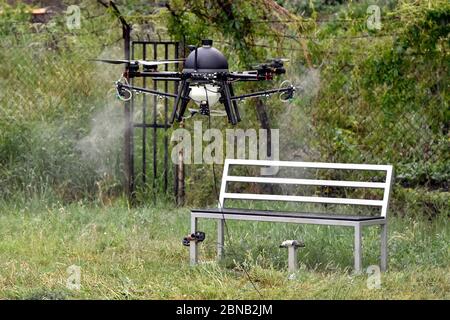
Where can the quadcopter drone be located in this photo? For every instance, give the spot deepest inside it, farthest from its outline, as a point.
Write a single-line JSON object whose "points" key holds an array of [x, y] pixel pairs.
{"points": [[205, 79]]}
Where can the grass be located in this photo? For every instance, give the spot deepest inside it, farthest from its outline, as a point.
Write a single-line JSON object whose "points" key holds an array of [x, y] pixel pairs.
{"points": [[124, 253], [136, 253]]}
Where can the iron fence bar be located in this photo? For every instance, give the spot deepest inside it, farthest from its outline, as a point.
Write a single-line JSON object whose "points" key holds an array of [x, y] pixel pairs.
{"points": [[166, 105], [175, 88], [155, 121], [129, 135], [144, 128]]}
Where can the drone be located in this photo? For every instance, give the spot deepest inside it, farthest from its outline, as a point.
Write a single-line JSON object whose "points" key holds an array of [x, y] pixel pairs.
{"points": [[205, 79]]}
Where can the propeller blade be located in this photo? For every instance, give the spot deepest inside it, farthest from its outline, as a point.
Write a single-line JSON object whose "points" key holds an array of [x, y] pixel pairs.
{"points": [[111, 61], [142, 62], [277, 59], [155, 63], [257, 66]]}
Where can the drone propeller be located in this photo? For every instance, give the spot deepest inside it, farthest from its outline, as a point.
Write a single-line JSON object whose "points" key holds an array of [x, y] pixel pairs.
{"points": [[277, 59], [271, 63], [142, 62]]}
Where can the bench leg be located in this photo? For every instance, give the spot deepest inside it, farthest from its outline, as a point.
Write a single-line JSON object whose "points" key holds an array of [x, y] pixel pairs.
{"points": [[384, 239], [357, 249], [193, 250], [220, 238]]}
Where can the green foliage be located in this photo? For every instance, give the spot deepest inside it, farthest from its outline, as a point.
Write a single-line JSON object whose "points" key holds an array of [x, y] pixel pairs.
{"points": [[311, 7], [420, 202], [428, 174], [393, 101], [50, 92], [186, 27]]}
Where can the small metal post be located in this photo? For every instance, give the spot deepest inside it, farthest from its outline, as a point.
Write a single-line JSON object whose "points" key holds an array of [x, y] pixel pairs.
{"points": [[292, 246], [292, 258]]}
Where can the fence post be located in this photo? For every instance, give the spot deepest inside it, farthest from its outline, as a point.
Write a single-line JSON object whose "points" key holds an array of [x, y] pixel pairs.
{"points": [[179, 168], [128, 132]]}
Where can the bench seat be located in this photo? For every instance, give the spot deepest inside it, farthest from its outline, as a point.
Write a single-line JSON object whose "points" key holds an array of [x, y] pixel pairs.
{"points": [[287, 214]]}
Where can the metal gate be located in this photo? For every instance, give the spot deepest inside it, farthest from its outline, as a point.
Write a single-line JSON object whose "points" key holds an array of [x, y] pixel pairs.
{"points": [[140, 123], [150, 167]]}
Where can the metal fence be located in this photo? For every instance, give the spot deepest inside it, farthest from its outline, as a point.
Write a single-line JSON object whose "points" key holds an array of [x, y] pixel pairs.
{"points": [[414, 140]]}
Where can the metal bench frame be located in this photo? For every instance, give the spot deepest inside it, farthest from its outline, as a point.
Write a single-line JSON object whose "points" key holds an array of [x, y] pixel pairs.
{"points": [[357, 225]]}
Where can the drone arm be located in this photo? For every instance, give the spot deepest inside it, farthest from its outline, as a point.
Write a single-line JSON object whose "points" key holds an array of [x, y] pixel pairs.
{"points": [[289, 91], [245, 76], [121, 86], [166, 75], [253, 75], [264, 71]]}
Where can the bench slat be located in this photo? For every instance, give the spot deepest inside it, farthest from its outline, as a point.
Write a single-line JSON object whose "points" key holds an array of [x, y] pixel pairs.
{"points": [[249, 196], [308, 182], [292, 214], [317, 165]]}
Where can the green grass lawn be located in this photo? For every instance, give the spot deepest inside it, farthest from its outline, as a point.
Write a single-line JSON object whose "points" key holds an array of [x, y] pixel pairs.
{"points": [[137, 253]]}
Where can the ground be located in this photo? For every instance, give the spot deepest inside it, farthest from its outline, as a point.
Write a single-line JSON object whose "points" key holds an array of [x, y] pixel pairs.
{"points": [[136, 253]]}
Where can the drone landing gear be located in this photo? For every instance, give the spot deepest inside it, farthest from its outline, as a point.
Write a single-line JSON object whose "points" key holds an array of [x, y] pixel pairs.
{"points": [[230, 108], [183, 95], [234, 102]]}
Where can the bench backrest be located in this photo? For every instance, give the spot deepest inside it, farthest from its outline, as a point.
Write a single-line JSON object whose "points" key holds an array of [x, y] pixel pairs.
{"points": [[383, 204]]}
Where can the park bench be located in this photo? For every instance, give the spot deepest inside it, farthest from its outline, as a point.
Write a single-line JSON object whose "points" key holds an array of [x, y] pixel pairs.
{"points": [[356, 221]]}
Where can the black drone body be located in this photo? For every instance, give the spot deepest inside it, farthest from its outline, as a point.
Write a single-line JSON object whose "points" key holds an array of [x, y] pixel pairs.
{"points": [[205, 79]]}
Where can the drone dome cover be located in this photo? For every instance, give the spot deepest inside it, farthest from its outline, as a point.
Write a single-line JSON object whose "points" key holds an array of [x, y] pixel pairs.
{"points": [[209, 59]]}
